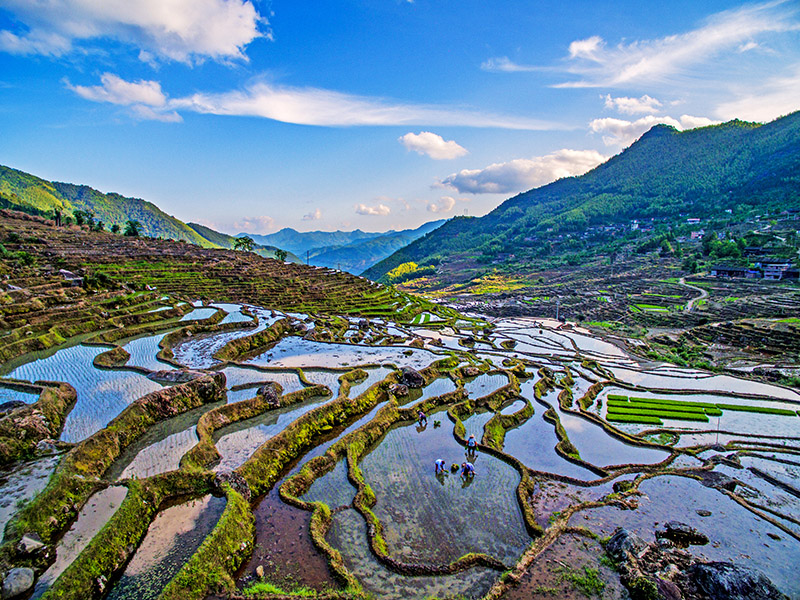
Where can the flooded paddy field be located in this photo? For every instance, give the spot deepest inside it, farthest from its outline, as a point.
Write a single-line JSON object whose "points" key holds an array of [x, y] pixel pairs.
{"points": [[326, 482]]}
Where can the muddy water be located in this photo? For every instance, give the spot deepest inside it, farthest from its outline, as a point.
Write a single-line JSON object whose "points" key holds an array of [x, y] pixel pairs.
{"points": [[348, 535], [161, 448], [102, 393], [172, 538], [21, 482], [239, 441], [473, 424], [93, 516], [437, 520], [736, 534], [333, 488]]}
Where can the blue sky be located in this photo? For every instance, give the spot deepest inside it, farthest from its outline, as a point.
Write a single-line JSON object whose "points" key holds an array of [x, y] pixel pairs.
{"points": [[250, 116]]}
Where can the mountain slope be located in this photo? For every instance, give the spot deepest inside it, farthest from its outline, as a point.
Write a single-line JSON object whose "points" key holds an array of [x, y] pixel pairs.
{"points": [[301, 242], [19, 190], [223, 240], [736, 166], [363, 253]]}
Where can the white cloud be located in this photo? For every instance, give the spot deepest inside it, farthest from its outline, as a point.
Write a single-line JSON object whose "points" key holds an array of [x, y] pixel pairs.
{"points": [[258, 224], [315, 215], [379, 210], [118, 91], [503, 64], [633, 106], [181, 30], [523, 173], [445, 204], [657, 60], [776, 97], [619, 132], [314, 106], [146, 113], [433, 145]]}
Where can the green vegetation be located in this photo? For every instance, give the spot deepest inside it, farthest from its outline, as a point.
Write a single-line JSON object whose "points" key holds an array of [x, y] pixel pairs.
{"points": [[588, 582], [662, 176]]}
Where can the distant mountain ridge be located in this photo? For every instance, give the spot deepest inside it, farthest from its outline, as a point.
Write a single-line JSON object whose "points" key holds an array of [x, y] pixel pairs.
{"points": [[666, 175], [351, 251]]}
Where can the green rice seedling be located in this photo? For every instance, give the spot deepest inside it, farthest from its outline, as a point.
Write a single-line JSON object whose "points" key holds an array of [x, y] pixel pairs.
{"points": [[767, 410]]}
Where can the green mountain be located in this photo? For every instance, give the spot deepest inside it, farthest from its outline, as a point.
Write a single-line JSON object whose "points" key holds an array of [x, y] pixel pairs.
{"points": [[666, 176], [361, 254], [28, 193], [223, 240]]}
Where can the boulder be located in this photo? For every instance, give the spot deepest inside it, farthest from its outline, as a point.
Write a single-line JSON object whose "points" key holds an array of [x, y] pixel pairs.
{"points": [[470, 371], [18, 581], [236, 481], [716, 480], [30, 543], [681, 534], [623, 543], [398, 389], [726, 581], [363, 324], [175, 375], [412, 378], [270, 394], [668, 590]]}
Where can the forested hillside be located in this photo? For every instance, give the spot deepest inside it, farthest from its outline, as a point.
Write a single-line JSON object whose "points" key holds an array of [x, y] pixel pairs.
{"points": [[28, 193], [666, 175]]}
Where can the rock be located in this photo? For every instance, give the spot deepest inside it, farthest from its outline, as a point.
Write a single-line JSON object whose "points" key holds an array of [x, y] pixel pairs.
{"points": [[175, 375], [732, 460], [703, 513], [11, 405], [668, 590], [622, 543], [398, 389], [18, 581], [47, 446], [260, 572], [681, 534], [716, 480], [470, 371], [233, 479], [299, 327], [726, 581], [363, 324], [30, 543], [412, 378], [270, 394]]}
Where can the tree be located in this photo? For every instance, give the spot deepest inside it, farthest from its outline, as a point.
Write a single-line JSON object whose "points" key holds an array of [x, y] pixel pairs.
{"points": [[115, 228], [99, 226], [244, 243], [133, 228], [281, 254]]}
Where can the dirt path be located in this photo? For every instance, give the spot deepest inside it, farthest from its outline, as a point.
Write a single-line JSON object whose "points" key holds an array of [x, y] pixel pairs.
{"points": [[703, 294]]}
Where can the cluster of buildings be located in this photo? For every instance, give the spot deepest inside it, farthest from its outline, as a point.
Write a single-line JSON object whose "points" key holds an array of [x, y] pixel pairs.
{"points": [[766, 269]]}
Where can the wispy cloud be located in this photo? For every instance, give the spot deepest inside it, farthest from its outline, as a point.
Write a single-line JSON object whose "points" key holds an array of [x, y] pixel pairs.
{"points": [[523, 173], [620, 133], [315, 106], [432, 145], [116, 90], [379, 210], [503, 64], [181, 30], [597, 64], [777, 96], [633, 106]]}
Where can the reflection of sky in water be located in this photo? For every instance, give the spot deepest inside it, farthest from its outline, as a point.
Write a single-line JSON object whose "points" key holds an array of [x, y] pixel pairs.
{"points": [[198, 313], [143, 353], [483, 385], [417, 509], [21, 482], [736, 534], [297, 352], [11, 395], [102, 393], [162, 456]]}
